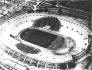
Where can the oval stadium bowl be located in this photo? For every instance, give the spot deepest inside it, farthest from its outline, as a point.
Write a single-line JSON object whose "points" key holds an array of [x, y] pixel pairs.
{"points": [[39, 38]]}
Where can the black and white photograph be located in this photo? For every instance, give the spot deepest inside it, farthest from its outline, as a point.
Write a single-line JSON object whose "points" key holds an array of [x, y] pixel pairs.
{"points": [[45, 34]]}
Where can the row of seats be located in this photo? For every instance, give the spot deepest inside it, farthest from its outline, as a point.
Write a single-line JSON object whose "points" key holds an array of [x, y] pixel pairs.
{"points": [[38, 63]]}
